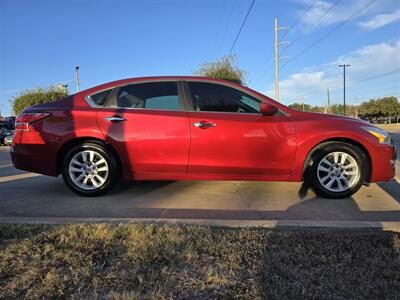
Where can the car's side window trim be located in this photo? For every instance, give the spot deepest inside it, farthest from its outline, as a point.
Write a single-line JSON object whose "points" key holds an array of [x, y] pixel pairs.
{"points": [[190, 101], [112, 99], [93, 104], [185, 99]]}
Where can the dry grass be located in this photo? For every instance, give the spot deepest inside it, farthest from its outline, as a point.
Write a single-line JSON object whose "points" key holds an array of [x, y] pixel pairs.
{"points": [[152, 261], [390, 127]]}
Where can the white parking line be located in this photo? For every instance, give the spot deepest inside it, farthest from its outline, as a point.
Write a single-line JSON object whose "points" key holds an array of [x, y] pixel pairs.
{"points": [[4, 179], [6, 166]]}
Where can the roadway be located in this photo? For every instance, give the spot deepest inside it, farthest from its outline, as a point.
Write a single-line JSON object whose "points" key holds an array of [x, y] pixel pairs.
{"points": [[29, 197]]}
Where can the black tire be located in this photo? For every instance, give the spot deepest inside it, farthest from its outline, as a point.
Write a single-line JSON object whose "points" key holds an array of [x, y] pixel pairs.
{"points": [[107, 154], [311, 171]]}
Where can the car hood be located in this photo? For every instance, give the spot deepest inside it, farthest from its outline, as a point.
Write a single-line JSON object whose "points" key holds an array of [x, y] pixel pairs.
{"points": [[322, 116]]}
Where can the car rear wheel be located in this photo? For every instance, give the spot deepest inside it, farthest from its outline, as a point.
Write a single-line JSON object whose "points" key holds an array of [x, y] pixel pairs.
{"points": [[337, 170], [90, 169]]}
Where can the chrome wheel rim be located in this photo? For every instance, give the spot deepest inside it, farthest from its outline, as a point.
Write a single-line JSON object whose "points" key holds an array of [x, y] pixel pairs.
{"points": [[88, 170], [338, 172]]}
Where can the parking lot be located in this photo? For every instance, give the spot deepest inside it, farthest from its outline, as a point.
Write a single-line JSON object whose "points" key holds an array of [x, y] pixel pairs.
{"points": [[29, 197]]}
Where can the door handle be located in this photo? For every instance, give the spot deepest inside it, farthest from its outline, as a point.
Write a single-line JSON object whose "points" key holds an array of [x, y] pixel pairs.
{"points": [[204, 124], [114, 119]]}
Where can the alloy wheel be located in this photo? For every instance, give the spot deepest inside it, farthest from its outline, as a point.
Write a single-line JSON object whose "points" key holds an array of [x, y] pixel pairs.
{"points": [[338, 171], [88, 169]]}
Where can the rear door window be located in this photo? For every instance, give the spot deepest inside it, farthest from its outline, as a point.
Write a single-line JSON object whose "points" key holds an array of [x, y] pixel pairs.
{"points": [[150, 95], [101, 97]]}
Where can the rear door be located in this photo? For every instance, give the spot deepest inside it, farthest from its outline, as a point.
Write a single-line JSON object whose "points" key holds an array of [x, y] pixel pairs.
{"points": [[148, 125], [230, 136]]}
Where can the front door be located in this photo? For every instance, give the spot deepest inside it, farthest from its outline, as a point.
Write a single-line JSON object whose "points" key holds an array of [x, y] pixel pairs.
{"points": [[231, 137], [146, 122]]}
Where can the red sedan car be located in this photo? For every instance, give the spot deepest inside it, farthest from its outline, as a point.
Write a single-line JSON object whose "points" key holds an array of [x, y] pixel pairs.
{"points": [[191, 128]]}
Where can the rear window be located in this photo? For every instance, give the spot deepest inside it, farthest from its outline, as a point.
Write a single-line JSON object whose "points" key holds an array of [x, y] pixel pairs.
{"points": [[101, 98]]}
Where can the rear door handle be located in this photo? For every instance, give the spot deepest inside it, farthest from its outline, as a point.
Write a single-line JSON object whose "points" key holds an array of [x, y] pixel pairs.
{"points": [[204, 124], [114, 118]]}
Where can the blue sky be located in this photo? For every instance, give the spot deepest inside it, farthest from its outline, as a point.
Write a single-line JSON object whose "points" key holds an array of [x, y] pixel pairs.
{"points": [[42, 41]]}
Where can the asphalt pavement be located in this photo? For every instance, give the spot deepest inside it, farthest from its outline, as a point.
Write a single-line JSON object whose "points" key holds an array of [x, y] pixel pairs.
{"points": [[32, 198]]}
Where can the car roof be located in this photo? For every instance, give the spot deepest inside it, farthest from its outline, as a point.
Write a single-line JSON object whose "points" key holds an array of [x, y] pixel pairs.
{"points": [[161, 78]]}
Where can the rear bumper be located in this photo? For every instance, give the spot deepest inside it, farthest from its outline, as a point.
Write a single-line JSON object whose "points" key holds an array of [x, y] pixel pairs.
{"points": [[34, 158]]}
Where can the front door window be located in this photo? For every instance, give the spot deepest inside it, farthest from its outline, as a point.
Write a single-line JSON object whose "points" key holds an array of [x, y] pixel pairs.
{"points": [[221, 98]]}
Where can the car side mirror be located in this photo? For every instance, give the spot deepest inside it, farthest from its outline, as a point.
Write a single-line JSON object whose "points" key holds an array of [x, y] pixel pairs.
{"points": [[267, 109]]}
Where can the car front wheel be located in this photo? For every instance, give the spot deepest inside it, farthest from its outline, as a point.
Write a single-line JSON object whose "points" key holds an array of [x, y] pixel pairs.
{"points": [[90, 169], [337, 170]]}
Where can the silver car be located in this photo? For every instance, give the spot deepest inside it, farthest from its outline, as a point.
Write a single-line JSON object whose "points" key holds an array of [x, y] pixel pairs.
{"points": [[8, 139]]}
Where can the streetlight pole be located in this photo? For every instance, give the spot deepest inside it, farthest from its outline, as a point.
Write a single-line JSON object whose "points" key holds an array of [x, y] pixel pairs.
{"points": [[78, 88], [344, 87]]}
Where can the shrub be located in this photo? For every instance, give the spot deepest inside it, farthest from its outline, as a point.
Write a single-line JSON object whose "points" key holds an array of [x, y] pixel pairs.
{"points": [[36, 96], [225, 68]]}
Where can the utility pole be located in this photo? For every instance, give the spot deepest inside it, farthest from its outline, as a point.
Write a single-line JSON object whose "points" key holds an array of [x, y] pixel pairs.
{"points": [[78, 87], [277, 43], [344, 87], [302, 103], [329, 101]]}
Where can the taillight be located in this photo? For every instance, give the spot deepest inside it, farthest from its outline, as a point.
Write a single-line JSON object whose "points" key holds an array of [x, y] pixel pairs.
{"points": [[25, 119]]}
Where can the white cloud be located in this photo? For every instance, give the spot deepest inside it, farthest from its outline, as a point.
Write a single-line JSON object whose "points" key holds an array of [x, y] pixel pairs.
{"points": [[304, 84], [381, 20], [365, 62], [372, 59], [325, 13]]}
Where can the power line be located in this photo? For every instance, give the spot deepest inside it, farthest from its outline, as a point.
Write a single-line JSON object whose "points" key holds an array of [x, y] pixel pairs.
{"points": [[322, 16], [241, 27], [383, 90], [269, 56], [377, 76], [369, 78], [300, 17], [356, 82], [331, 31], [314, 24], [227, 23]]}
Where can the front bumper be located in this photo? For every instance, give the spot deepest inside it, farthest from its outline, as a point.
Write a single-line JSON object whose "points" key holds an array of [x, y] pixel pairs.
{"points": [[383, 162]]}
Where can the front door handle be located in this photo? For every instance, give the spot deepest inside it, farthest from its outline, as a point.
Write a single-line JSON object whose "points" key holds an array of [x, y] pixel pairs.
{"points": [[115, 118], [204, 124]]}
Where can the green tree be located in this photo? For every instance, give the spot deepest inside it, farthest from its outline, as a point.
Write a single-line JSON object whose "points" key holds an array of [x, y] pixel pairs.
{"points": [[225, 68], [301, 107], [36, 96], [383, 107], [306, 107]]}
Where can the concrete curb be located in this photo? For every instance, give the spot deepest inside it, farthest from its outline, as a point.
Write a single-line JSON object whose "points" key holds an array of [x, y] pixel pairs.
{"points": [[390, 226]]}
